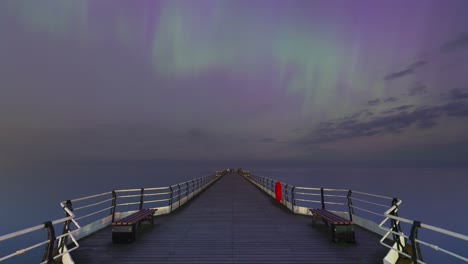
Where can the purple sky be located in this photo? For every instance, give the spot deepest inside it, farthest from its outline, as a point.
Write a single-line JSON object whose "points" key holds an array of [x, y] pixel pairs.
{"points": [[335, 83]]}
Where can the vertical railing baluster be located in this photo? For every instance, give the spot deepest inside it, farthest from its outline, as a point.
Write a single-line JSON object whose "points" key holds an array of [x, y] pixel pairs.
{"points": [[114, 204], [49, 251], [286, 194], [171, 197], [416, 251], [350, 205], [293, 202], [141, 198], [178, 193], [322, 198], [66, 226], [395, 226]]}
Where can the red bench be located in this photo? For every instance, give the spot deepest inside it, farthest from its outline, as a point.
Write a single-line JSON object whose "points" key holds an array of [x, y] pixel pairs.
{"points": [[342, 229], [124, 230]]}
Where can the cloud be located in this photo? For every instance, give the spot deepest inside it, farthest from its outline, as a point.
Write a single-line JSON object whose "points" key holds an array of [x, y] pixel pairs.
{"points": [[418, 64], [267, 140], [459, 109], [461, 42], [377, 101], [390, 99], [398, 109], [393, 121], [408, 70], [458, 94], [373, 102], [418, 90], [398, 74]]}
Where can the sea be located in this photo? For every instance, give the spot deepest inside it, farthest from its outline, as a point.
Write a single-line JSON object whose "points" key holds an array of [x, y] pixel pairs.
{"points": [[31, 195]]}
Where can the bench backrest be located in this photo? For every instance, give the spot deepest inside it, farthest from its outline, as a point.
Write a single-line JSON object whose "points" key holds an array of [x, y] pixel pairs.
{"points": [[136, 217], [331, 217]]}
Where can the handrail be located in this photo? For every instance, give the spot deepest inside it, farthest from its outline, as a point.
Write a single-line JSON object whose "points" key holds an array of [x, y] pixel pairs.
{"points": [[168, 191], [50, 241], [390, 214]]}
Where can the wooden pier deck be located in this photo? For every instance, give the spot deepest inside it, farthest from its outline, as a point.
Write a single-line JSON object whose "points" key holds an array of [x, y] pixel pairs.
{"points": [[231, 222]]}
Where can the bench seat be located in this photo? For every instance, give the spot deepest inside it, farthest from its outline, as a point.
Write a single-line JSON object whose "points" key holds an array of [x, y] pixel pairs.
{"points": [[341, 229], [124, 230]]}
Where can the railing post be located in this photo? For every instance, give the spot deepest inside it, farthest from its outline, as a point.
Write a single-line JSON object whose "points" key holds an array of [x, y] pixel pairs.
{"points": [[49, 251], [416, 254], [141, 197], [66, 226], [178, 192], [171, 197], [396, 225], [350, 205], [114, 203], [293, 198], [193, 188], [322, 197], [286, 193], [187, 192]]}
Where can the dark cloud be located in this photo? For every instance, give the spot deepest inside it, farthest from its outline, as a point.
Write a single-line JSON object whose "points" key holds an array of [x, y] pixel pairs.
{"points": [[268, 140], [390, 99], [418, 64], [459, 109], [377, 101], [461, 42], [398, 120], [373, 102], [458, 94], [418, 90], [398, 74], [398, 109], [408, 70]]}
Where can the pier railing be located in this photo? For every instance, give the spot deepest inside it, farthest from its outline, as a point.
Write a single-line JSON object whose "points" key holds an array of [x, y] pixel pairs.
{"points": [[374, 212], [91, 213], [52, 249]]}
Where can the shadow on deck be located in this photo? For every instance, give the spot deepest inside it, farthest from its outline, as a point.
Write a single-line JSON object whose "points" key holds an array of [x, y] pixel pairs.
{"points": [[231, 222]]}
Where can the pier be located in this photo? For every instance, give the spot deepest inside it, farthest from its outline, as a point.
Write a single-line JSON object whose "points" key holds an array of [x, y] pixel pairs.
{"points": [[232, 221]]}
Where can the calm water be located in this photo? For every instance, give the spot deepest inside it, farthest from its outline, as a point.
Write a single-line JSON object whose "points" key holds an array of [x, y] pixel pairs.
{"points": [[33, 195]]}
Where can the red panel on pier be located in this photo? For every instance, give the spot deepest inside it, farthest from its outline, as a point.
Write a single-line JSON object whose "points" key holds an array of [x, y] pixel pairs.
{"points": [[278, 192]]}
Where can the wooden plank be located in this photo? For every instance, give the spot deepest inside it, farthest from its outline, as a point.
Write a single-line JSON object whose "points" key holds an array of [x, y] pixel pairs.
{"points": [[331, 217], [136, 217], [231, 222]]}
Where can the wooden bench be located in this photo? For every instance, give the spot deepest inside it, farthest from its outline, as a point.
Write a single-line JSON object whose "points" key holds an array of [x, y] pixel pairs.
{"points": [[342, 229], [124, 230]]}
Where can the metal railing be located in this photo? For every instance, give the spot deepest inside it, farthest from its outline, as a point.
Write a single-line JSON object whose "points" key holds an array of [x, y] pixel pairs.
{"points": [[52, 243], [92, 211], [375, 212], [415, 253]]}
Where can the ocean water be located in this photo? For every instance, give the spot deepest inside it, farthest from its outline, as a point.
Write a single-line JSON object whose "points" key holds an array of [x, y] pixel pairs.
{"points": [[30, 196]]}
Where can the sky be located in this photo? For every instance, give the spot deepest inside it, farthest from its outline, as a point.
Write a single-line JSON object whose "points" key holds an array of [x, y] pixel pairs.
{"points": [[300, 83]]}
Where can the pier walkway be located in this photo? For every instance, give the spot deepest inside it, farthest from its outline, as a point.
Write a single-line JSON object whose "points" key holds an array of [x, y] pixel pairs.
{"points": [[231, 222]]}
